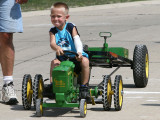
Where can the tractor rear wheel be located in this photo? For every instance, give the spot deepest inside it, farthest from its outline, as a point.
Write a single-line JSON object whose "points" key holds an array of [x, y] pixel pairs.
{"points": [[27, 91], [140, 66], [106, 93], [38, 88], [118, 92]]}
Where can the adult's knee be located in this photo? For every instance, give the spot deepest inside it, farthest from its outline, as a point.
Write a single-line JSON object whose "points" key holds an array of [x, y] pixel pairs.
{"points": [[6, 39]]}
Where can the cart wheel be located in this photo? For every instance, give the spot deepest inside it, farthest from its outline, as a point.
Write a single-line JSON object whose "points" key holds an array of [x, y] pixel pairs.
{"points": [[140, 66], [38, 88], [39, 108], [106, 93], [83, 108], [118, 92], [27, 92]]}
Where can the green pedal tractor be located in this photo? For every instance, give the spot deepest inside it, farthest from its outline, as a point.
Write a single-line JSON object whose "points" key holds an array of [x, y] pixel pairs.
{"points": [[64, 91]]}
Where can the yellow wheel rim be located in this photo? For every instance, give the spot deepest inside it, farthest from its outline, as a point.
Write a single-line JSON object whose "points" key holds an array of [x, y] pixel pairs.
{"points": [[29, 89], [41, 108], [40, 89], [147, 66], [120, 93], [109, 89], [85, 108]]}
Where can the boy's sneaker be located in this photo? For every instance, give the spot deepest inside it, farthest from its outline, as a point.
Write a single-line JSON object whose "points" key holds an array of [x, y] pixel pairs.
{"points": [[8, 94], [84, 93]]}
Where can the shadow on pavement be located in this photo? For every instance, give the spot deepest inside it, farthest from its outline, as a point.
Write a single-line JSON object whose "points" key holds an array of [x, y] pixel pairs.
{"points": [[49, 112], [20, 108], [129, 86], [59, 112], [151, 105], [101, 109]]}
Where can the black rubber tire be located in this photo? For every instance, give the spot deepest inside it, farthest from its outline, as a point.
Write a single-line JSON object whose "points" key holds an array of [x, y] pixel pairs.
{"points": [[140, 66], [39, 108], [85, 48], [26, 95], [37, 93], [106, 96], [83, 108], [118, 93]]}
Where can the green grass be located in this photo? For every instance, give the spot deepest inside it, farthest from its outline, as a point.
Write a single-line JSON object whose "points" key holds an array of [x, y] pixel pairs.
{"points": [[46, 4]]}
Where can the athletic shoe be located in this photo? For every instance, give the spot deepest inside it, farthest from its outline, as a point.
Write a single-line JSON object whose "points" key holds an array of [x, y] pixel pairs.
{"points": [[84, 93], [8, 94]]}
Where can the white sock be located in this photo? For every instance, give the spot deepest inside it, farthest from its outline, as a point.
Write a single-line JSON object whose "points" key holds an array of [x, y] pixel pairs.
{"points": [[7, 79]]}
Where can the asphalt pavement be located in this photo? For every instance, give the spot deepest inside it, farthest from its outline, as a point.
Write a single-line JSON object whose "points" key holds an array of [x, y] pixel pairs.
{"points": [[130, 23]]}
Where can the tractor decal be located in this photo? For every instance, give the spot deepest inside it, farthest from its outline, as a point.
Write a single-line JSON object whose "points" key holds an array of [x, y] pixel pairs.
{"points": [[59, 83]]}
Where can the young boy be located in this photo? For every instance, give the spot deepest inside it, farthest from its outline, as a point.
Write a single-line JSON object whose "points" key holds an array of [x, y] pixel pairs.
{"points": [[64, 36]]}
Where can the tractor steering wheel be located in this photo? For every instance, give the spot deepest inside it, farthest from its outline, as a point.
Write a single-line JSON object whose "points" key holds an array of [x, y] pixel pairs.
{"points": [[67, 55]]}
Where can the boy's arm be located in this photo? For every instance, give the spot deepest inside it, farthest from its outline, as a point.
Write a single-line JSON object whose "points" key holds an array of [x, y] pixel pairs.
{"points": [[78, 43], [54, 46]]}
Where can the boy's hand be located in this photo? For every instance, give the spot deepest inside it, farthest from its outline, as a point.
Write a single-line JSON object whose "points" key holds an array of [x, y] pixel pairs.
{"points": [[79, 58], [21, 1], [59, 51]]}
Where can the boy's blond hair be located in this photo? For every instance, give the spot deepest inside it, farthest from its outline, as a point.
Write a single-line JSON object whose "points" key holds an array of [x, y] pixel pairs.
{"points": [[60, 5]]}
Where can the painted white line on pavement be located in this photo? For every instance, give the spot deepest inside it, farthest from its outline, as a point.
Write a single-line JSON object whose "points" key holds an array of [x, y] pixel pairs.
{"points": [[148, 98], [135, 92], [152, 100], [138, 97]]}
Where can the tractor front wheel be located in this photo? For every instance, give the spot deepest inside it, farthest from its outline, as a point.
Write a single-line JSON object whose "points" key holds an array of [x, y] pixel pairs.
{"points": [[38, 88], [106, 93], [27, 91], [118, 93], [83, 108], [39, 108]]}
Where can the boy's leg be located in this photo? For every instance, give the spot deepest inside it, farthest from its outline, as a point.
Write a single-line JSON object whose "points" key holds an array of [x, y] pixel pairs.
{"points": [[84, 91], [54, 63], [85, 70], [7, 62]]}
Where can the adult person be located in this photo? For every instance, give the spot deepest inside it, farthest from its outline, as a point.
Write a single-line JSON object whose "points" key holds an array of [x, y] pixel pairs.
{"points": [[10, 22]]}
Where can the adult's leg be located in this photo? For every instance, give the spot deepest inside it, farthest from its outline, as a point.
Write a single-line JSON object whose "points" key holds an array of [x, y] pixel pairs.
{"points": [[7, 62], [7, 53]]}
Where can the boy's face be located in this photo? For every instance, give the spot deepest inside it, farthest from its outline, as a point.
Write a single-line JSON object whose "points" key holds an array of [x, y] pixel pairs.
{"points": [[59, 17]]}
